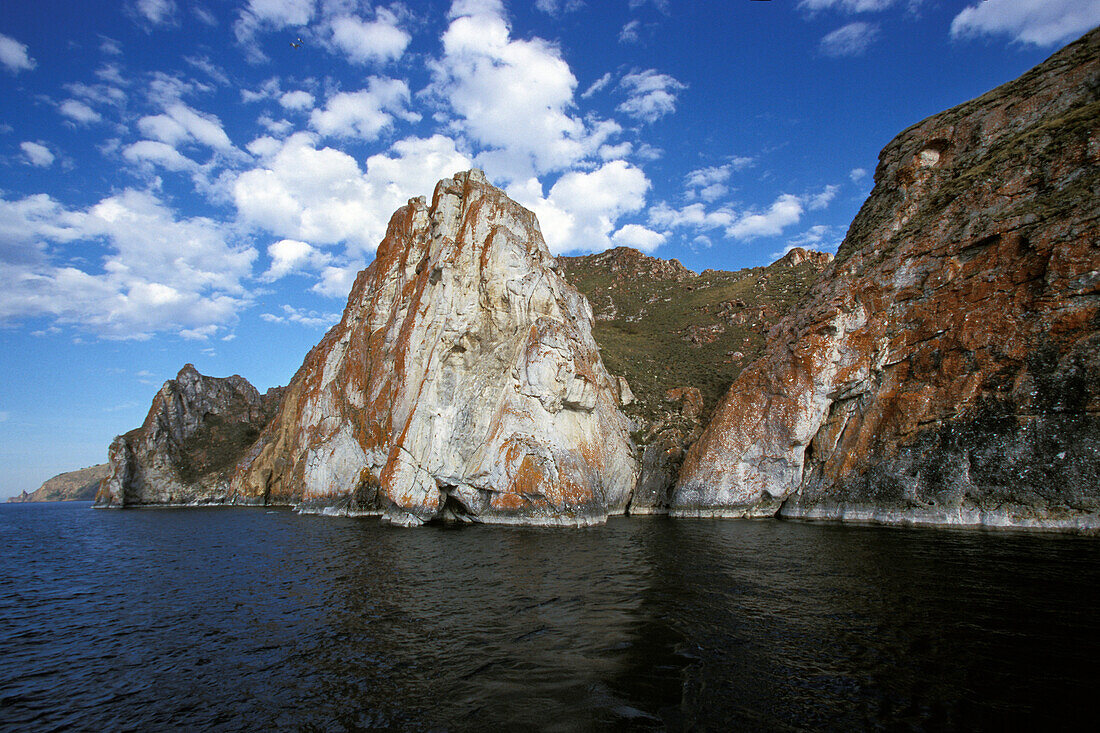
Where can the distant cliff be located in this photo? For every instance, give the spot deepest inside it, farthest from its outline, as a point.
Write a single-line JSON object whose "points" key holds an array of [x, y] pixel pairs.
{"points": [[945, 369], [196, 431], [80, 485]]}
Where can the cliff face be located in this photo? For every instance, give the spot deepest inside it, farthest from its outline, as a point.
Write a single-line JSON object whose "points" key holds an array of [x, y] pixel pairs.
{"points": [[79, 485], [946, 367], [462, 382], [184, 453]]}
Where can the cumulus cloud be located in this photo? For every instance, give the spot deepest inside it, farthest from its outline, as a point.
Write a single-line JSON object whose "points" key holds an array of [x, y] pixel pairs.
{"points": [[639, 237], [364, 41], [180, 125], [14, 56], [1036, 22], [366, 113], [290, 255], [557, 7], [849, 40], [297, 100], [513, 99], [270, 15], [582, 208], [159, 272], [857, 174], [785, 211], [37, 154], [651, 95], [321, 196], [79, 112]]}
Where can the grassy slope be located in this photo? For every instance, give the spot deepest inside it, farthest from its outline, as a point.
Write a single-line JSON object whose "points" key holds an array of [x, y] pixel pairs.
{"points": [[647, 340]]}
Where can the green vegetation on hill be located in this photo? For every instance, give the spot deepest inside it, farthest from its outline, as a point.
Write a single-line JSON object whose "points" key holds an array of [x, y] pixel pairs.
{"points": [[666, 332]]}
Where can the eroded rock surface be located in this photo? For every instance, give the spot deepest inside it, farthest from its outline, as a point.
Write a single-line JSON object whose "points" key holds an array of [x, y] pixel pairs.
{"points": [[196, 431], [462, 382], [945, 368]]}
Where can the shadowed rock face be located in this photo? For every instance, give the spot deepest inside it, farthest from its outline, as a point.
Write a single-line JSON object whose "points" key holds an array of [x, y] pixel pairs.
{"points": [[946, 367], [197, 429], [462, 382]]}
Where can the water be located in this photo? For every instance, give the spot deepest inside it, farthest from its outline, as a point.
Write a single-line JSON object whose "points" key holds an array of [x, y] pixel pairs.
{"points": [[252, 619]]}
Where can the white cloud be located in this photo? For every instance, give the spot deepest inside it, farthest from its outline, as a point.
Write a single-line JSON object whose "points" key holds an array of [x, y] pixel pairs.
{"points": [[583, 208], [377, 40], [336, 282], [634, 235], [366, 113], [652, 95], [270, 15], [849, 40], [1037, 22], [693, 216], [309, 318], [79, 112], [157, 12], [158, 153], [182, 124], [290, 255], [849, 6], [109, 46], [857, 174], [37, 154], [513, 98], [596, 86], [821, 200], [13, 55], [710, 183], [298, 100], [785, 211], [321, 195], [158, 272], [629, 33]]}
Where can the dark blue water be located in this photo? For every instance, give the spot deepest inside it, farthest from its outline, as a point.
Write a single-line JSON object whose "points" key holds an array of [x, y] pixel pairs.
{"points": [[247, 619]]}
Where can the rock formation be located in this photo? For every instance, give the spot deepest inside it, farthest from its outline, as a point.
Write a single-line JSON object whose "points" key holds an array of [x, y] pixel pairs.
{"points": [[945, 368], [79, 485], [462, 382], [797, 255], [184, 453]]}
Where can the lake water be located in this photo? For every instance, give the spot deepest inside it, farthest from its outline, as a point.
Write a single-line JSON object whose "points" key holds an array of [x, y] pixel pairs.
{"points": [[252, 619]]}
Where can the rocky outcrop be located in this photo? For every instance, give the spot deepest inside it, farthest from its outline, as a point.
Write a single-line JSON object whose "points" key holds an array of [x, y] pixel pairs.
{"points": [[196, 431], [626, 263], [797, 255], [79, 485], [462, 382], [945, 368]]}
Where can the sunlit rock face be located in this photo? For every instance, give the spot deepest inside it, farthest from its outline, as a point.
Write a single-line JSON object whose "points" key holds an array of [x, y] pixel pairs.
{"points": [[461, 383], [945, 369], [197, 428]]}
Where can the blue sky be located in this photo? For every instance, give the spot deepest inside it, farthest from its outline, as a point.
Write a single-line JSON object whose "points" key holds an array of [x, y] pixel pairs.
{"points": [[200, 181]]}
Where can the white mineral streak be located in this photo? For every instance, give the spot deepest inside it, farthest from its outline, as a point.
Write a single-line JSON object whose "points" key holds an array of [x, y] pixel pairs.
{"points": [[462, 382]]}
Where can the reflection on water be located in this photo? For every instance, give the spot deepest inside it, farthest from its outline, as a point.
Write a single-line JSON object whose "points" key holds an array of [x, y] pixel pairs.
{"points": [[245, 619]]}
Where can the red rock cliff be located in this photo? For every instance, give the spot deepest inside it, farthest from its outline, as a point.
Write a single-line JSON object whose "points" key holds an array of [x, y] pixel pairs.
{"points": [[462, 382], [946, 367]]}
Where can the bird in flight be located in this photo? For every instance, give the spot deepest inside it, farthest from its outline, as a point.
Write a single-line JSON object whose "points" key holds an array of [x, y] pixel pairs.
{"points": [[297, 44]]}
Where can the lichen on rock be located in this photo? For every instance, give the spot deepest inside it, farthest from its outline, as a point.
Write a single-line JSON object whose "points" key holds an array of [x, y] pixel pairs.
{"points": [[462, 382], [945, 369]]}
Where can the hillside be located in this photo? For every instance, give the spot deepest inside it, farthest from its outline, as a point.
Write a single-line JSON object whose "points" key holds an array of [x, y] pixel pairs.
{"points": [[80, 485], [663, 327]]}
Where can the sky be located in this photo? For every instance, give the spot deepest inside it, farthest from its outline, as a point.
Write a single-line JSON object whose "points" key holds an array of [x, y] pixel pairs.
{"points": [[200, 181]]}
